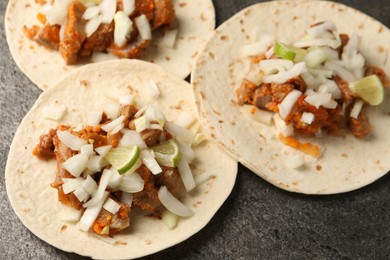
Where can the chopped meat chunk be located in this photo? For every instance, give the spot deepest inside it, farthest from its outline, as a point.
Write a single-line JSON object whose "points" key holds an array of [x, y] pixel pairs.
{"points": [[129, 112], [99, 40], [164, 13], [131, 50], [170, 178], [346, 93], [48, 36], [115, 222], [74, 34], [45, 149], [360, 127], [374, 70], [145, 7], [245, 92], [151, 136]]}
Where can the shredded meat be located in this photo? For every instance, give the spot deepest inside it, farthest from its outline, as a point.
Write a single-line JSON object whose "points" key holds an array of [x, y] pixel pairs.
{"points": [[115, 222], [164, 13], [45, 148], [374, 70], [48, 36], [360, 127], [74, 35], [346, 93]]}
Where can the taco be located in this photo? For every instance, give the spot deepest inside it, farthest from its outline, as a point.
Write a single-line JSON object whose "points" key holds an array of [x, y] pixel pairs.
{"points": [[42, 50], [299, 119], [109, 204]]}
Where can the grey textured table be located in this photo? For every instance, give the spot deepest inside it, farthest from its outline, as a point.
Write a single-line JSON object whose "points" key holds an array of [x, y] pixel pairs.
{"points": [[258, 221]]}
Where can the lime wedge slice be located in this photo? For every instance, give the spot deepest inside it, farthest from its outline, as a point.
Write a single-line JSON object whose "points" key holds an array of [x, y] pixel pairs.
{"points": [[123, 158], [167, 153], [370, 89], [288, 52]]}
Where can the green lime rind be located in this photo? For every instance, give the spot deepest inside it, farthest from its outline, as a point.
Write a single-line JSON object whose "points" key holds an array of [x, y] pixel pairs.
{"points": [[123, 158], [167, 153], [370, 89]]}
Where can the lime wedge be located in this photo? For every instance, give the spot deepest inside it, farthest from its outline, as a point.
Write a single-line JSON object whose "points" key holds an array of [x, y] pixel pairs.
{"points": [[370, 89], [123, 158], [288, 52], [167, 153]]}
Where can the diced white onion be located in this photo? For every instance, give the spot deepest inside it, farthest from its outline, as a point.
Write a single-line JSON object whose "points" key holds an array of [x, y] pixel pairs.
{"points": [[91, 213], [81, 194], [103, 150], [141, 123], [89, 185], [262, 116], [94, 117], [96, 163], [307, 117], [185, 119], [332, 104], [53, 112], [127, 198], [126, 100], [92, 25], [71, 184], [69, 140], [173, 204], [288, 102], [179, 132], [357, 107], [128, 6], [315, 57], [150, 162], [155, 114], [186, 174], [154, 92], [98, 195], [186, 151], [123, 28], [111, 206], [199, 138], [156, 126], [107, 9], [131, 138], [309, 41], [131, 183], [170, 219], [143, 27], [76, 164], [58, 13], [91, 12], [273, 66], [340, 71], [282, 77], [69, 214], [115, 179], [254, 49], [319, 29], [112, 109], [351, 48], [318, 100], [117, 128], [169, 39], [113, 124], [87, 149], [141, 111], [281, 127]]}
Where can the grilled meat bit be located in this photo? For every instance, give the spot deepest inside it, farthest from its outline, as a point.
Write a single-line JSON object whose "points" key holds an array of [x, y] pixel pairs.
{"points": [[245, 92], [116, 222], [129, 112], [360, 127], [44, 150], [99, 40], [48, 36], [170, 177], [164, 13], [374, 70], [346, 93]]}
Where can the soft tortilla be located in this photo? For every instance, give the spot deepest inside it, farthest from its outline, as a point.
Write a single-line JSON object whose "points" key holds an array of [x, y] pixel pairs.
{"points": [[347, 163], [45, 67], [28, 178]]}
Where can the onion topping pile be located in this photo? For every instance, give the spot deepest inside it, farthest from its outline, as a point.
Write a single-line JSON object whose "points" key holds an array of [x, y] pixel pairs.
{"points": [[320, 83], [81, 28], [121, 160]]}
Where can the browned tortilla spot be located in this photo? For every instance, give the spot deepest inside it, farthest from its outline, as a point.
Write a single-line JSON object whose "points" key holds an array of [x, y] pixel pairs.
{"points": [[63, 228], [121, 243], [32, 47], [220, 121], [217, 112], [241, 21], [26, 210], [318, 167], [361, 26], [378, 162], [295, 183], [22, 196], [194, 54], [84, 83], [345, 155], [380, 29], [247, 12], [20, 171], [148, 242], [27, 6], [203, 17], [276, 12], [381, 49], [212, 55], [212, 136], [294, 18], [224, 37], [182, 4], [202, 95], [167, 58], [341, 10]]}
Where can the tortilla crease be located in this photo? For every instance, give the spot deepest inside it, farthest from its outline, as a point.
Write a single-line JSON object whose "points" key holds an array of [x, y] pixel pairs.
{"points": [[347, 163], [28, 178], [45, 67]]}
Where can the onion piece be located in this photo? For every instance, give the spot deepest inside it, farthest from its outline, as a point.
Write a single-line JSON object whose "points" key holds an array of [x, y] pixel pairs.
{"points": [[89, 185], [186, 174], [123, 28], [98, 195], [127, 198], [58, 12], [285, 130], [71, 141], [340, 71], [107, 10], [170, 219], [186, 151], [150, 162], [128, 6], [141, 123], [111, 206], [254, 49], [262, 116], [117, 128], [87, 149], [179, 132], [81, 194], [274, 66], [94, 117], [357, 107], [131, 183], [91, 12], [91, 213], [309, 41], [307, 117], [113, 124], [69, 214], [332, 104], [288, 102], [155, 114], [62, 29], [126, 100], [318, 99], [154, 92], [71, 184], [143, 27], [96, 163], [103, 150], [115, 179], [131, 138], [282, 77], [173, 204], [319, 29], [169, 39], [92, 25], [112, 109], [53, 112], [76, 164]]}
